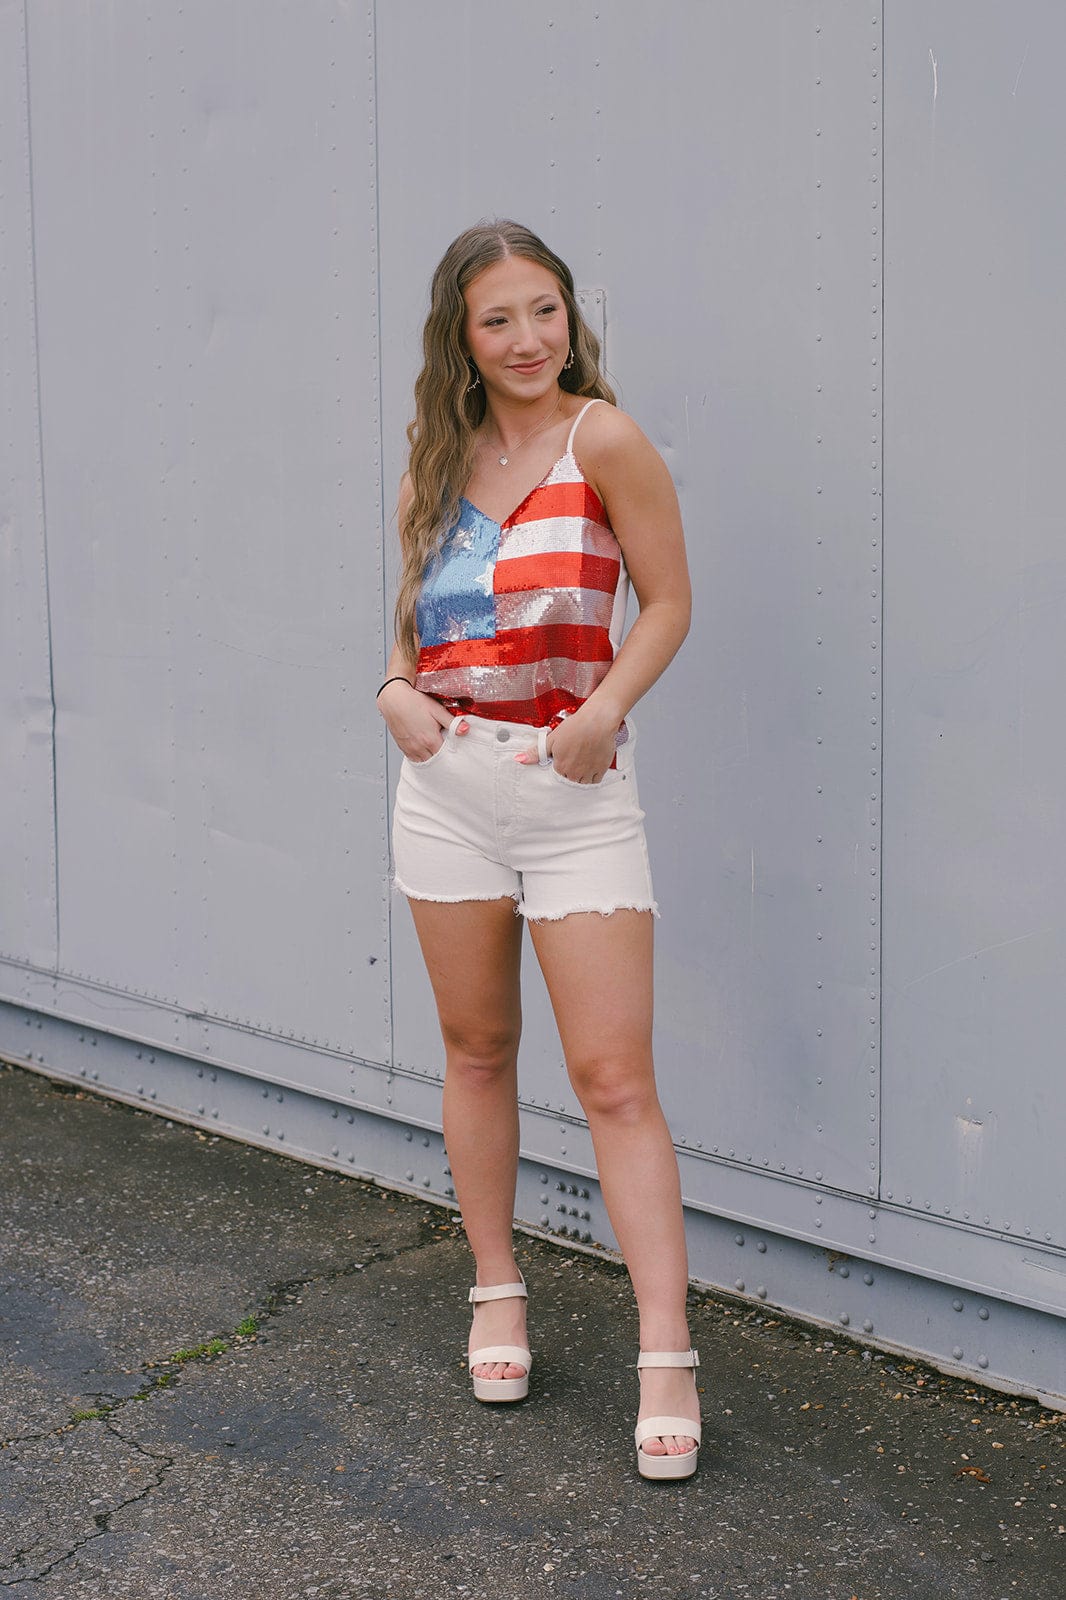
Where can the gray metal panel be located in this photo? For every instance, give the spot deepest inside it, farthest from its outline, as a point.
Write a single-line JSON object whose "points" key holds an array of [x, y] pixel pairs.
{"points": [[975, 867], [675, 175], [27, 811], [207, 279]]}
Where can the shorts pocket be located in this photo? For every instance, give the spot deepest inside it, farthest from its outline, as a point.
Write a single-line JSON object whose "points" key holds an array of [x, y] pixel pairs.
{"points": [[624, 762], [447, 739], [612, 776], [430, 761]]}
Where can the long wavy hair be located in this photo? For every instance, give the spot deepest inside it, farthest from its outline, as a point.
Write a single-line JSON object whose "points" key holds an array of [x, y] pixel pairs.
{"points": [[448, 411]]}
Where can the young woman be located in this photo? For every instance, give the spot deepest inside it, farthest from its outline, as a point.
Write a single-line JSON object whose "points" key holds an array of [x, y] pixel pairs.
{"points": [[529, 505]]}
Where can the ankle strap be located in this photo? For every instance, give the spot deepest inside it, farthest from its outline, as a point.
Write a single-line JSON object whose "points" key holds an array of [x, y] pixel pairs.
{"points": [[500, 1291], [668, 1358]]}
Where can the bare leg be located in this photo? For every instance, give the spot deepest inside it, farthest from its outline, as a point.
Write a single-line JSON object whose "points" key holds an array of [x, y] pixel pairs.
{"points": [[472, 953], [599, 974]]}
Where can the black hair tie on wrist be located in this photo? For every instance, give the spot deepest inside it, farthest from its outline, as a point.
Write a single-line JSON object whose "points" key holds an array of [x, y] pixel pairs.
{"points": [[395, 679]]}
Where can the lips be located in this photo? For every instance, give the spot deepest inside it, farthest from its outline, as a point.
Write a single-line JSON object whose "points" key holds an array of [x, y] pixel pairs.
{"points": [[533, 366]]}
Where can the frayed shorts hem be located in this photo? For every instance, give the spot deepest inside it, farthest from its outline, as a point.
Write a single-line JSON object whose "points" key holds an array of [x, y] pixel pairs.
{"points": [[587, 910], [456, 899], [520, 907]]}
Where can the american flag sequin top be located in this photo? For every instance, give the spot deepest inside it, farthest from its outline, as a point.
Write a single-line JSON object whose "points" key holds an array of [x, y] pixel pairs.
{"points": [[519, 621]]}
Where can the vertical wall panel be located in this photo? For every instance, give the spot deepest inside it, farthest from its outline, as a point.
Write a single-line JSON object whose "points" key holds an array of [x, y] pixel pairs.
{"points": [[207, 278], [27, 834], [976, 595]]}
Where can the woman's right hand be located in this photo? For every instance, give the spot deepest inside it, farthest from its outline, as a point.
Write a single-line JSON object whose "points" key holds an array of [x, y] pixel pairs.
{"points": [[416, 721]]}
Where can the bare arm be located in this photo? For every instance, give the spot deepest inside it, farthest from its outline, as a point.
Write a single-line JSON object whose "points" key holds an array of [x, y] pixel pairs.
{"points": [[415, 720], [632, 480]]}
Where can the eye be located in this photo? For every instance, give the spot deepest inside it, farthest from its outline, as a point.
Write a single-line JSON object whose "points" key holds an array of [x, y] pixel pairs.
{"points": [[547, 309], [495, 322]]}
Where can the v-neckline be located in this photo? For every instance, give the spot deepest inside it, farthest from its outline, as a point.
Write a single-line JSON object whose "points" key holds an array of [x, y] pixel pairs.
{"points": [[501, 525]]}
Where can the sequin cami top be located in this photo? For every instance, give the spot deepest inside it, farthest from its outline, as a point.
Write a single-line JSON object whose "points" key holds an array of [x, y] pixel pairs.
{"points": [[519, 621]]}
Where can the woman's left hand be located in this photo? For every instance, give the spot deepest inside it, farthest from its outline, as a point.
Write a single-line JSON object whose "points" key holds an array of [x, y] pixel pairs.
{"points": [[582, 747]]}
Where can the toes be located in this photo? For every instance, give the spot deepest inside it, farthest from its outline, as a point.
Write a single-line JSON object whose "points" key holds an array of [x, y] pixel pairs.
{"points": [[670, 1445]]}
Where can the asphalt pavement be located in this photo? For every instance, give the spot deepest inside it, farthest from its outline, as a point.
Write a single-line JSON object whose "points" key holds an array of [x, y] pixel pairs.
{"points": [[224, 1373]]}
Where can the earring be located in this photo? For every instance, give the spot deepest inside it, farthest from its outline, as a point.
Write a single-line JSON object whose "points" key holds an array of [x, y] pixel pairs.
{"points": [[477, 379], [568, 363]]}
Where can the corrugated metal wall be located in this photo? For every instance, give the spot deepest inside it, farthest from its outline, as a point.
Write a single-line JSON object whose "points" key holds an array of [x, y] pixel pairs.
{"points": [[818, 241]]}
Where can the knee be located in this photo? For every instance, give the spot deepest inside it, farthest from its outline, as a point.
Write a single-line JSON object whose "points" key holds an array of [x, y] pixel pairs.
{"points": [[613, 1086], [481, 1054]]}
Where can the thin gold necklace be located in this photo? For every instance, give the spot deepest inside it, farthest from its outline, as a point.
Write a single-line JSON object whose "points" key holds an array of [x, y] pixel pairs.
{"points": [[504, 459]]}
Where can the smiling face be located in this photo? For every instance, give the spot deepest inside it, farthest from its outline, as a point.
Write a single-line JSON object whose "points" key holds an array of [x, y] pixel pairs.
{"points": [[516, 330]]}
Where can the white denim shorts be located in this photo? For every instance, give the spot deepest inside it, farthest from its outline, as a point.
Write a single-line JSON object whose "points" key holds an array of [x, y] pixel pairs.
{"points": [[472, 823]]}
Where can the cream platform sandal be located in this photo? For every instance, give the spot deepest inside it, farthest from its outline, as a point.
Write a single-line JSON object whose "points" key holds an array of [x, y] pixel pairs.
{"points": [[682, 1466], [501, 1388]]}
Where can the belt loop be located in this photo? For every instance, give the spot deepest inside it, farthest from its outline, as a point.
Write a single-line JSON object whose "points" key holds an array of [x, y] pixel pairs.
{"points": [[542, 746], [453, 724]]}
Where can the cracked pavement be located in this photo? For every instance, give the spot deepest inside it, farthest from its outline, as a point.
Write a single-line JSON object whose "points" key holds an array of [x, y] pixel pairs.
{"points": [[223, 1372]]}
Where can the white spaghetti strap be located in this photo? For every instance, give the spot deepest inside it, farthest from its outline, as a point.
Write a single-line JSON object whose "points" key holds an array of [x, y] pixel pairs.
{"points": [[577, 419]]}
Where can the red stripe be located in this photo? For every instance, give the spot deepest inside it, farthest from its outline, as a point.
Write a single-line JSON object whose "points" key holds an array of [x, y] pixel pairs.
{"points": [[556, 569], [518, 646], [537, 712], [559, 500]]}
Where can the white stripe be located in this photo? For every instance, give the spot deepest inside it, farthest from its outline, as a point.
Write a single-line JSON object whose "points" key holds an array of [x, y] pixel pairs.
{"points": [[566, 470], [522, 682], [550, 608], [549, 535]]}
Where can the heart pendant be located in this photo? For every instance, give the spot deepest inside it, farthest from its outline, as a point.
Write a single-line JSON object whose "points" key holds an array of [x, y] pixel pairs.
{"points": [[503, 461]]}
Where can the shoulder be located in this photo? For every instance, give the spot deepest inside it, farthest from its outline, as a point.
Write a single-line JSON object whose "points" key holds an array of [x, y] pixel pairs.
{"points": [[610, 446], [604, 428]]}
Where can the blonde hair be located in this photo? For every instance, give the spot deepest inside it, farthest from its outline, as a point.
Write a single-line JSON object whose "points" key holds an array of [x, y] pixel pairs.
{"points": [[448, 411]]}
